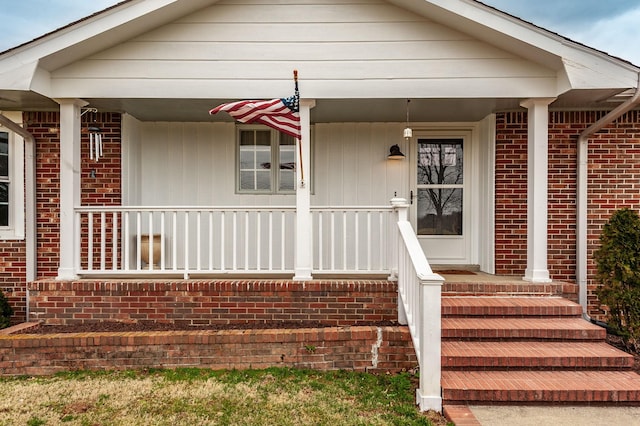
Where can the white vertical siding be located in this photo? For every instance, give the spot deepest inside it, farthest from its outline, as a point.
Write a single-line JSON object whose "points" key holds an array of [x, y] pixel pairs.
{"points": [[131, 157], [193, 164], [351, 166]]}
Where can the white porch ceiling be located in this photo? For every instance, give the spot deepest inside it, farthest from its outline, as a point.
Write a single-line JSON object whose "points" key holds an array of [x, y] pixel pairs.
{"points": [[325, 111]]}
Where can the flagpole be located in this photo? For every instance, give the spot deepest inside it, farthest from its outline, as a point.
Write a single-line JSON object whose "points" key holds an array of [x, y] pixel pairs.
{"points": [[297, 94]]}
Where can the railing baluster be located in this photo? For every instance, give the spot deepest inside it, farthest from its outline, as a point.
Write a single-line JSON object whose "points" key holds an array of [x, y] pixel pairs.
{"points": [[139, 241], [174, 239], [127, 245], [283, 240], [246, 240], [115, 248], [320, 247], [162, 241], [198, 242], [234, 235], [151, 242], [344, 240], [271, 241], [222, 241], [258, 242], [368, 246], [186, 245], [90, 241], [103, 241], [210, 245], [356, 219], [333, 240]]}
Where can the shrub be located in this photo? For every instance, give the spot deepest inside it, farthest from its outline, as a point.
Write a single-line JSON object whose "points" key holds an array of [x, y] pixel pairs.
{"points": [[618, 266], [5, 311]]}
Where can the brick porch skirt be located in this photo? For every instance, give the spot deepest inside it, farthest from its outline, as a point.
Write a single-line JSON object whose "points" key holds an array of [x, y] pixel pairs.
{"points": [[203, 302], [361, 348]]}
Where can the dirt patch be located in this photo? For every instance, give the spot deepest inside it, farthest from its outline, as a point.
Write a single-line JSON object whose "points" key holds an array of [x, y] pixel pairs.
{"points": [[121, 327]]}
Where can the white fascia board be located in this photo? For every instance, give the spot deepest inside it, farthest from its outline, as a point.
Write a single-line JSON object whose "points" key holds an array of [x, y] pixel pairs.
{"points": [[18, 78], [585, 67], [93, 34]]}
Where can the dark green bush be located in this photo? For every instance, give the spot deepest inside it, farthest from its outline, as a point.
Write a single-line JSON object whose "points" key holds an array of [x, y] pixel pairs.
{"points": [[5, 311], [618, 266]]}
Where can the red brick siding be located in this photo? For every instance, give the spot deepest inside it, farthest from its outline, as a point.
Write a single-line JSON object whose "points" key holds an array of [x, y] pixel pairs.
{"points": [[355, 348], [614, 182], [213, 302], [13, 277], [104, 189], [511, 194]]}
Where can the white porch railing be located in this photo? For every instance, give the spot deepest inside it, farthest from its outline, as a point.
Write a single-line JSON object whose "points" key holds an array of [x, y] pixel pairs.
{"points": [[212, 240], [419, 305], [352, 239], [117, 240]]}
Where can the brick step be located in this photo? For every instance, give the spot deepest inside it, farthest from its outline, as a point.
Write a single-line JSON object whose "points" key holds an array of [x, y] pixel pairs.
{"points": [[575, 387], [459, 306], [521, 329], [451, 287], [533, 355]]}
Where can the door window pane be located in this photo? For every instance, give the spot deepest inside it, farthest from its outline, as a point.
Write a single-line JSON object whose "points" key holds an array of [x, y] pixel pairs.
{"points": [[440, 211], [440, 162]]}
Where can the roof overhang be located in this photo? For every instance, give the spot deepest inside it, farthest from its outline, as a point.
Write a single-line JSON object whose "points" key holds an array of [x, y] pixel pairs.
{"points": [[586, 78]]}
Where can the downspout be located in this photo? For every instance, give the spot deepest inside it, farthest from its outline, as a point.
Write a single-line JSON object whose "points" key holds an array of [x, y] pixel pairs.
{"points": [[30, 201], [581, 225]]}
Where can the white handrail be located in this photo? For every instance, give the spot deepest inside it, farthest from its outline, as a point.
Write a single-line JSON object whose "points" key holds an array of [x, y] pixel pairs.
{"points": [[419, 306]]}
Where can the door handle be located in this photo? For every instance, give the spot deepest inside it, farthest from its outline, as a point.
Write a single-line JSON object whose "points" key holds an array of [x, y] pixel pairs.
{"points": [[411, 196]]}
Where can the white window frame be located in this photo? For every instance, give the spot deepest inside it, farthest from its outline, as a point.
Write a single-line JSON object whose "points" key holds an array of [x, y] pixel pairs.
{"points": [[15, 229], [275, 160]]}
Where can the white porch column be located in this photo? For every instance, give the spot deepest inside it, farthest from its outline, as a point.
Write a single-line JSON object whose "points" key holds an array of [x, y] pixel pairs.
{"points": [[70, 111], [304, 236], [537, 184]]}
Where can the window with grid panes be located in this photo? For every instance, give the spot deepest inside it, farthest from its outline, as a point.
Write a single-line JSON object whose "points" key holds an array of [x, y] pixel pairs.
{"points": [[266, 161]]}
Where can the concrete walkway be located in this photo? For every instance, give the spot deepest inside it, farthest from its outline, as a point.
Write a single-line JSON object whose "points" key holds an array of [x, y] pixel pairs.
{"points": [[556, 416]]}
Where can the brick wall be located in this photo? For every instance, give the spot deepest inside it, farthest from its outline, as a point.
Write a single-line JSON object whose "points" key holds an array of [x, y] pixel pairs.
{"points": [[13, 277], [614, 182], [213, 302], [103, 189], [375, 349]]}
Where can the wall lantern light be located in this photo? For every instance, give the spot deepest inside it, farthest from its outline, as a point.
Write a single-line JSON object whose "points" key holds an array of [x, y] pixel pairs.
{"points": [[395, 153]]}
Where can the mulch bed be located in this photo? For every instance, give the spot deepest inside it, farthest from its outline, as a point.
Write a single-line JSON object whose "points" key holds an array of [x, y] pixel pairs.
{"points": [[112, 326]]}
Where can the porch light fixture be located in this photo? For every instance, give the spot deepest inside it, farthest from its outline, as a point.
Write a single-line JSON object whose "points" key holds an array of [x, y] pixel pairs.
{"points": [[408, 133], [395, 153]]}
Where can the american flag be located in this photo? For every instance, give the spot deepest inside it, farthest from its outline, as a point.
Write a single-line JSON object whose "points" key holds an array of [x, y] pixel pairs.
{"points": [[282, 114]]}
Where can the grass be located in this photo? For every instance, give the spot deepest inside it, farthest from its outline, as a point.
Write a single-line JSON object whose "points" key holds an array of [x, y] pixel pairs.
{"points": [[276, 396]]}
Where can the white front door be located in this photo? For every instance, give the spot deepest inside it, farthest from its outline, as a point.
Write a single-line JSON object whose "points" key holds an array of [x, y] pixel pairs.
{"points": [[441, 195]]}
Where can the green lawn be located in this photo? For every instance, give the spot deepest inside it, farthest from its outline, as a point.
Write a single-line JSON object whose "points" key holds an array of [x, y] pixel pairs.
{"points": [[274, 396]]}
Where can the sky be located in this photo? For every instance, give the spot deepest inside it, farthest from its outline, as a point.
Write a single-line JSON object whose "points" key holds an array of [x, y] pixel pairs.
{"points": [[612, 26]]}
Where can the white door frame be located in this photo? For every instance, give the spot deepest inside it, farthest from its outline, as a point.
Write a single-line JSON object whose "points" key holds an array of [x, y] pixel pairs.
{"points": [[478, 205]]}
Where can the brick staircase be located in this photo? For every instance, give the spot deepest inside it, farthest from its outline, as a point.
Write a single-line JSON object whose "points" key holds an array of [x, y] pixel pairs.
{"points": [[532, 348]]}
